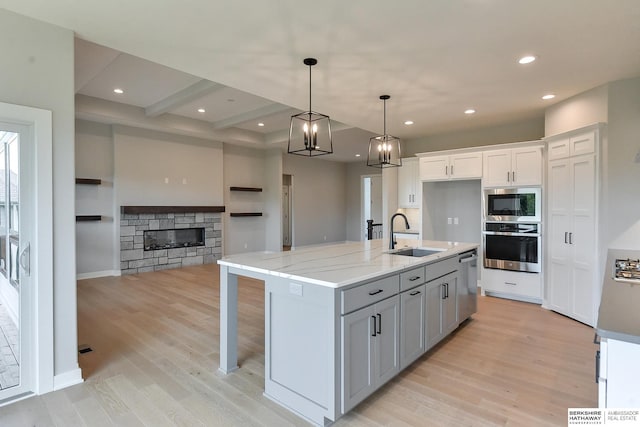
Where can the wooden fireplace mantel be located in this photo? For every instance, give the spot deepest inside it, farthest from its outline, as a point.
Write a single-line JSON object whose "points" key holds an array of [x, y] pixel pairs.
{"points": [[134, 210]]}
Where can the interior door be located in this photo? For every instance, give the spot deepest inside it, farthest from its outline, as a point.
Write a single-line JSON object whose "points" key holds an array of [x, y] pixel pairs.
{"points": [[16, 224]]}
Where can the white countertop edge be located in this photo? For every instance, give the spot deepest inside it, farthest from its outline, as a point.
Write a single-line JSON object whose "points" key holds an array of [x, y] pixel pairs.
{"points": [[408, 264]]}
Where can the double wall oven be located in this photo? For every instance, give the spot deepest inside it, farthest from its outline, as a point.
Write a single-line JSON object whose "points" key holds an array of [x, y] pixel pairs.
{"points": [[512, 229]]}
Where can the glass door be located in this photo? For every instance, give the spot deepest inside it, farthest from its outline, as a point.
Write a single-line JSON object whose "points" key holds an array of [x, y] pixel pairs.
{"points": [[15, 354]]}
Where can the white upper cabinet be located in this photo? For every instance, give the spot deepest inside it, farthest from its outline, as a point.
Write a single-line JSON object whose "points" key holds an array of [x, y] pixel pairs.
{"points": [[454, 166], [409, 185], [569, 147], [512, 167]]}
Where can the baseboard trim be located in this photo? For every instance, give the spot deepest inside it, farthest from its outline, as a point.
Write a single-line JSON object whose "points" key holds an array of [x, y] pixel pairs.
{"points": [[96, 274], [67, 379]]}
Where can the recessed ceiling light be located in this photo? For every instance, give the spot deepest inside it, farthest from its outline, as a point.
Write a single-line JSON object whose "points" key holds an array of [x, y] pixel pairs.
{"points": [[470, 111], [201, 110], [261, 124], [118, 91], [357, 155], [549, 96], [527, 59], [408, 122]]}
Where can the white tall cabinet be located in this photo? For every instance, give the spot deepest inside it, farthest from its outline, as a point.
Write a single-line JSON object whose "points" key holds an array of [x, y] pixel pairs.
{"points": [[409, 185], [572, 228]]}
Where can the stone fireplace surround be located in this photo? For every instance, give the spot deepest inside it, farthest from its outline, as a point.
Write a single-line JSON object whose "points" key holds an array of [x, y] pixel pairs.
{"points": [[134, 220]]}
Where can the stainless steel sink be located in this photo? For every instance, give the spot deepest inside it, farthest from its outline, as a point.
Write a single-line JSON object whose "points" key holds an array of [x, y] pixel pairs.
{"points": [[416, 252]]}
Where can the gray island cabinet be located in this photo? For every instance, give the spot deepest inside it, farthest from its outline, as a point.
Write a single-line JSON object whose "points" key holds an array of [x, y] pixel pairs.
{"points": [[341, 320]]}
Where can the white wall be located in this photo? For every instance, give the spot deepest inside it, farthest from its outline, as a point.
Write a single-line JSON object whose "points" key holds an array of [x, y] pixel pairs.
{"points": [[244, 167], [522, 130], [38, 72], [355, 172], [319, 199], [273, 200], [154, 168], [94, 240]]}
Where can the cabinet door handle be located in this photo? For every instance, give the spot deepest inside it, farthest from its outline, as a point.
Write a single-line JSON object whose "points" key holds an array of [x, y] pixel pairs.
{"points": [[375, 292], [508, 175], [571, 238], [414, 278], [510, 283], [446, 170], [414, 293], [513, 175], [597, 366], [565, 236], [447, 288], [451, 170], [379, 323], [374, 326]]}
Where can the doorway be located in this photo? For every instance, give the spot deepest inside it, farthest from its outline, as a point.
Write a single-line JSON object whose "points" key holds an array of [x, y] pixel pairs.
{"points": [[371, 206], [15, 327], [287, 206], [26, 284]]}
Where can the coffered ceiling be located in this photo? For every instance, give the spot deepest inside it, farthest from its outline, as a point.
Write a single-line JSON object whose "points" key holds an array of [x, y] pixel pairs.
{"points": [[241, 62]]}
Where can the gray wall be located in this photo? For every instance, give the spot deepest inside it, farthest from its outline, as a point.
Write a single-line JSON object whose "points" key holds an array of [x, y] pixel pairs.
{"points": [[452, 199], [581, 110], [623, 164], [522, 130], [355, 172], [38, 72], [146, 160], [244, 167], [319, 199], [95, 246]]}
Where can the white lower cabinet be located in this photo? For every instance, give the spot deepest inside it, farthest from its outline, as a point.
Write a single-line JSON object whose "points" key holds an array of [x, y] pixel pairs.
{"points": [[618, 374], [441, 308], [512, 284], [412, 324], [370, 353]]}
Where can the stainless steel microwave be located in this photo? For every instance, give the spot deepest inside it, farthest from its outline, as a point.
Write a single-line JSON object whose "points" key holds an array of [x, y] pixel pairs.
{"points": [[513, 204]]}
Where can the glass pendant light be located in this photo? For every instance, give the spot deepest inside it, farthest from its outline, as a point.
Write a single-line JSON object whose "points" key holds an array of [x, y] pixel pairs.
{"points": [[310, 132], [384, 150]]}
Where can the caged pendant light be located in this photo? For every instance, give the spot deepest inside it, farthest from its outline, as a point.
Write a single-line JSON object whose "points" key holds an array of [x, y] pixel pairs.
{"points": [[310, 132], [384, 150]]}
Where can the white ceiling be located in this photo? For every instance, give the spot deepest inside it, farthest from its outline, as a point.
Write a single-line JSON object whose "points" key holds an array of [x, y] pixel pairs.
{"points": [[435, 59]]}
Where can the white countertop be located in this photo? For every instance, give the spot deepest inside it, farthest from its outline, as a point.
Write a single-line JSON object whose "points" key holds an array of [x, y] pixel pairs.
{"points": [[340, 264]]}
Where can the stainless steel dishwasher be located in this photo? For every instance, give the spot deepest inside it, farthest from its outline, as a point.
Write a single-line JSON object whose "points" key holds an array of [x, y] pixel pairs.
{"points": [[468, 289]]}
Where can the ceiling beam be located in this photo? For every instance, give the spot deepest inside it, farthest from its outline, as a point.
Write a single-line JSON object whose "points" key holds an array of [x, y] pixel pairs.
{"points": [[178, 99], [252, 115]]}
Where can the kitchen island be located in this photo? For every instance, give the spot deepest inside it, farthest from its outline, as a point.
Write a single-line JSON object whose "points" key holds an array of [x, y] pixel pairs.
{"points": [[342, 319], [618, 371]]}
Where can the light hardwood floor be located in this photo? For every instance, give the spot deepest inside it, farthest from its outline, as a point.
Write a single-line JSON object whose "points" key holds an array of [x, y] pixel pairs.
{"points": [[155, 356]]}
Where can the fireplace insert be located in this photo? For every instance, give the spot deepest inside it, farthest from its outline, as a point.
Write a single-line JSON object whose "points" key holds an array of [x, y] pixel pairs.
{"points": [[173, 238]]}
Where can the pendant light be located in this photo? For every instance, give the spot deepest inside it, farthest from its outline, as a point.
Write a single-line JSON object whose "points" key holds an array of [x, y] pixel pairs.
{"points": [[384, 150], [310, 132]]}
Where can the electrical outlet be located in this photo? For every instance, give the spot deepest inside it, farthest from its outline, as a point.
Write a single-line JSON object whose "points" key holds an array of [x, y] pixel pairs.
{"points": [[245, 246], [184, 181], [166, 180], [449, 221], [455, 221], [325, 238]]}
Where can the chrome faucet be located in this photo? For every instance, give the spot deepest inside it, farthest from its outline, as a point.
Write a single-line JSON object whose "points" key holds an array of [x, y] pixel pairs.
{"points": [[392, 242]]}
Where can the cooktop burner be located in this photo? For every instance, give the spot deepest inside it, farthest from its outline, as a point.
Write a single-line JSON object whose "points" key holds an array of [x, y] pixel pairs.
{"points": [[627, 270]]}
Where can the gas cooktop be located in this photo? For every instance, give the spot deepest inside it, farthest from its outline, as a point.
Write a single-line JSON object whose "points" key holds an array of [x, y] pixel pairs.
{"points": [[627, 270]]}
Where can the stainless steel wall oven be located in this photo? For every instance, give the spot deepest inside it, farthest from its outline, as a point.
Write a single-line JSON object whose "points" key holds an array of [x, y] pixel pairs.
{"points": [[512, 246]]}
